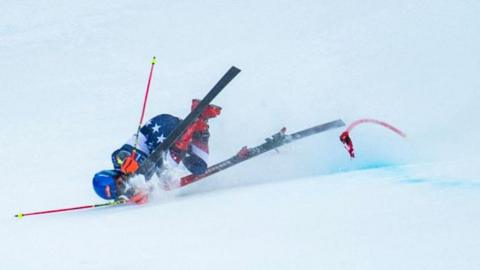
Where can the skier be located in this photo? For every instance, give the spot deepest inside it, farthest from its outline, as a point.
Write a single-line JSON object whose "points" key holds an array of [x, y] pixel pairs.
{"points": [[190, 150]]}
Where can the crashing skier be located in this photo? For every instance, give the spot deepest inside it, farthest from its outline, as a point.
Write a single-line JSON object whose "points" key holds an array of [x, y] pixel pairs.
{"points": [[190, 151]]}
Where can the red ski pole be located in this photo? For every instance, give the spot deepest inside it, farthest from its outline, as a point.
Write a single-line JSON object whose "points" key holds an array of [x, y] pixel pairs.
{"points": [[112, 203], [21, 215], [130, 164], [154, 61]]}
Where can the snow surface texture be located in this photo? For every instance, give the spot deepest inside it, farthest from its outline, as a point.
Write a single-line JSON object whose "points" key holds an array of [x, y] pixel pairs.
{"points": [[73, 76]]}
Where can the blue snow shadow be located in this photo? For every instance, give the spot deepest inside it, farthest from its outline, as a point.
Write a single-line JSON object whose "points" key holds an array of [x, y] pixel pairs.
{"points": [[376, 165], [352, 167], [443, 183], [413, 181], [416, 174]]}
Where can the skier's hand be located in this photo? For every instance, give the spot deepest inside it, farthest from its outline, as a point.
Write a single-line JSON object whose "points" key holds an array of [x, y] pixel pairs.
{"points": [[139, 198], [122, 199]]}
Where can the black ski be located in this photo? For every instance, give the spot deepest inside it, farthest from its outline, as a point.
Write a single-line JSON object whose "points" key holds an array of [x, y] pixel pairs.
{"points": [[271, 143], [147, 167]]}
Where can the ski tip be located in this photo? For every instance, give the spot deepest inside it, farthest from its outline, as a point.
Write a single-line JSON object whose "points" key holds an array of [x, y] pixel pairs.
{"points": [[339, 122], [154, 60], [235, 69], [19, 215]]}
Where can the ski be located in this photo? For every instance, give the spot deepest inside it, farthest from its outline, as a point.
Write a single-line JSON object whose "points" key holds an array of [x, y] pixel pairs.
{"points": [[147, 167], [273, 142]]}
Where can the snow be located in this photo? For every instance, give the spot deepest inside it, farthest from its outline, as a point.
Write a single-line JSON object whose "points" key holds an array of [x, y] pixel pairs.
{"points": [[73, 75]]}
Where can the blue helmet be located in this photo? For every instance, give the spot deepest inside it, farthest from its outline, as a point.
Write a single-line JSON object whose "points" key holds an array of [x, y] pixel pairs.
{"points": [[104, 184]]}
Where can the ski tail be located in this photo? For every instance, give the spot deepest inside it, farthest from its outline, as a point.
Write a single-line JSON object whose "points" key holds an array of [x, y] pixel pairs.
{"points": [[273, 142]]}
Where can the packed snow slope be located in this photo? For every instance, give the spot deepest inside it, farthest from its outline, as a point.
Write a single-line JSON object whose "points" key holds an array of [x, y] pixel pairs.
{"points": [[73, 75]]}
